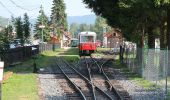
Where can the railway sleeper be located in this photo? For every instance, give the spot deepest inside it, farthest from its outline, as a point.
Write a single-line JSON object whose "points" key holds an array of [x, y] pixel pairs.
{"points": [[109, 84]]}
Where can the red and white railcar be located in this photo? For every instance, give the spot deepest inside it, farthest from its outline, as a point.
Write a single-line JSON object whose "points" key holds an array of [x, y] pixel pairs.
{"points": [[87, 43]]}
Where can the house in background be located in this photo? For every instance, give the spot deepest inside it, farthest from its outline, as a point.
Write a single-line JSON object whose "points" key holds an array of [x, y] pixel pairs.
{"points": [[54, 39], [66, 38], [113, 38]]}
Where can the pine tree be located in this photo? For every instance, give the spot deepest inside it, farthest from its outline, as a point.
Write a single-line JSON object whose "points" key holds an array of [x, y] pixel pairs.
{"points": [[58, 16], [8, 34], [26, 26], [19, 29], [42, 20]]}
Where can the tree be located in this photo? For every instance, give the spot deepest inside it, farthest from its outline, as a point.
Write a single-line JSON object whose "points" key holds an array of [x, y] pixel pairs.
{"points": [[58, 16], [83, 27], [42, 20], [133, 17], [74, 29], [8, 33], [26, 27], [5, 37], [2, 41], [101, 27], [19, 29], [165, 6]]}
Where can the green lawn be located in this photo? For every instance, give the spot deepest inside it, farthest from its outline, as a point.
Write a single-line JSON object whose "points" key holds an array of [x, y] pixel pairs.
{"points": [[71, 55], [103, 49], [22, 85]]}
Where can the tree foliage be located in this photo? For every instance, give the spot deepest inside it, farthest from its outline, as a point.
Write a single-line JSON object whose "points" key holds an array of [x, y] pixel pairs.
{"points": [[74, 29], [19, 29], [42, 20], [135, 18], [8, 33], [58, 16], [3, 41], [101, 27], [5, 37], [26, 26]]}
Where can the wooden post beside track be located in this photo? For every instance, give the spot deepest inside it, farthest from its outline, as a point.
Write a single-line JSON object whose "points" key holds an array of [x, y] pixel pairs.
{"points": [[1, 77]]}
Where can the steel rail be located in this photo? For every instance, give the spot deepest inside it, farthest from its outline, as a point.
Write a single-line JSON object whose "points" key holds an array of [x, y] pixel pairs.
{"points": [[87, 80], [95, 62], [108, 80], [92, 86], [75, 86]]}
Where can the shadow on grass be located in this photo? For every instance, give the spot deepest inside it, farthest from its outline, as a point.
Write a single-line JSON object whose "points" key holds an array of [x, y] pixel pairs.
{"points": [[71, 54], [124, 70], [138, 79], [71, 51], [43, 60], [25, 67]]}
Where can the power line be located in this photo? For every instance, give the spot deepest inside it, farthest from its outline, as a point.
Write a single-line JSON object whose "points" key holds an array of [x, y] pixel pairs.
{"points": [[21, 6], [6, 8]]}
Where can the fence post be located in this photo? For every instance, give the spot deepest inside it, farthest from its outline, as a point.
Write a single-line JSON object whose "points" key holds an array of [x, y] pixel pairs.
{"points": [[1, 77], [166, 73]]}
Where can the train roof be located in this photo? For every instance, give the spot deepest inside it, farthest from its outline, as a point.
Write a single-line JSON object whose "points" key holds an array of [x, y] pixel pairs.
{"points": [[87, 33]]}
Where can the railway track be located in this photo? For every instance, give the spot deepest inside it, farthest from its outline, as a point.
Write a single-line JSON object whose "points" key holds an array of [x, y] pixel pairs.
{"points": [[94, 93], [79, 88], [83, 84], [113, 85], [91, 78]]}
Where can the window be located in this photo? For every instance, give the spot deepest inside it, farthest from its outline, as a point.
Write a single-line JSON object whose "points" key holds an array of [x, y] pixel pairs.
{"points": [[87, 38]]}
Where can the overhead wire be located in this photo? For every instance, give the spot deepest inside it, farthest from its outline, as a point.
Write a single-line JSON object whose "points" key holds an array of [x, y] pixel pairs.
{"points": [[21, 6], [6, 8]]}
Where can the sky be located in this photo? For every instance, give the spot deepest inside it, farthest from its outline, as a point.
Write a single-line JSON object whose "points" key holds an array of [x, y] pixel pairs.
{"points": [[32, 7]]}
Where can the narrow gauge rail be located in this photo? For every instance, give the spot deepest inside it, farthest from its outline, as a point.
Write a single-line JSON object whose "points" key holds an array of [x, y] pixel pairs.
{"points": [[92, 86], [120, 95], [107, 97], [90, 77], [74, 85]]}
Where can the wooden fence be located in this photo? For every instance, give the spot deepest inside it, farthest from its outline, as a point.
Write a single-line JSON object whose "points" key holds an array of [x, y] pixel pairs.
{"points": [[17, 55]]}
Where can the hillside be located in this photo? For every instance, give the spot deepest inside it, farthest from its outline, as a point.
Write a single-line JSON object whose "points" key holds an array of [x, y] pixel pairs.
{"points": [[87, 19], [3, 21]]}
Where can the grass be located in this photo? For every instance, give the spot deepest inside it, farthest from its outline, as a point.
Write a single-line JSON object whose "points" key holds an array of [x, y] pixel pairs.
{"points": [[103, 49], [70, 55], [44, 59], [146, 84], [20, 87], [72, 58], [23, 83]]}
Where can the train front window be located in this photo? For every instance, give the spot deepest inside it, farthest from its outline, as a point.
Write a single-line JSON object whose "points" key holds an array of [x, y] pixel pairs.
{"points": [[87, 38]]}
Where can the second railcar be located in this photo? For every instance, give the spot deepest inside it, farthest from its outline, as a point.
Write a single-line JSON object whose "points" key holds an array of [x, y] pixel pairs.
{"points": [[87, 43], [74, 42]]}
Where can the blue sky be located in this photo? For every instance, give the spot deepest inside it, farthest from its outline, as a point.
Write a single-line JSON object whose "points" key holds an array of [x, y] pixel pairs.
{"points": [[73, 8]]}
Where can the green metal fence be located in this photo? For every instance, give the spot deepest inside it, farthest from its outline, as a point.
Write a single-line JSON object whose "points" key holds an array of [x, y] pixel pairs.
{"points": [[151, 64]]}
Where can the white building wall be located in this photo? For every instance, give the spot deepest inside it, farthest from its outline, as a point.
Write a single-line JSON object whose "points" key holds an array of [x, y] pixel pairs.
{"points": [[105, 42]]}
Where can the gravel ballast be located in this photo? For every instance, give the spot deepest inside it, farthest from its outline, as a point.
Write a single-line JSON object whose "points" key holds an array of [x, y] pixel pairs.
{"points": [[50, 87]]}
